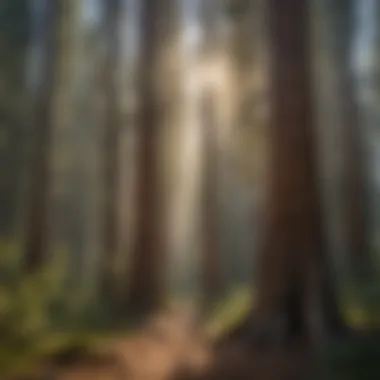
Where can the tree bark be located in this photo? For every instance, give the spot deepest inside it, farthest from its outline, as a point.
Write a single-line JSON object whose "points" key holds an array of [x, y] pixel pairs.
{"points": [[111, 144], [210, 260], [147, 283], [293, 287], [211, 271], [354, 180], [36, 234]]}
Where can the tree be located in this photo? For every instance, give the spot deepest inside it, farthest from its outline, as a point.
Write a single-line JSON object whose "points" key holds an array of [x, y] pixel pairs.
{"points": [[146, 282], [36, 234], [210, 260], [211, 264], [14, 32], [354, 180], [293, 285], [113, 17]]}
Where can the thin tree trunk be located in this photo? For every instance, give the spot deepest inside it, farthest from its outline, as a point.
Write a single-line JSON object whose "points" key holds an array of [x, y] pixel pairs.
{"points": [[355, 187], [211, 260], [292, 285], [36, 234], [355, 192], [147, 261], [111, 144]]}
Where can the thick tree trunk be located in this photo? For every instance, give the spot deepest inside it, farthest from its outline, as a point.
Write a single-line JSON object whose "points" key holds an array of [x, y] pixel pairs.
{"points": [[111, 144], [36, 234], [147, 261], [292, 284]]}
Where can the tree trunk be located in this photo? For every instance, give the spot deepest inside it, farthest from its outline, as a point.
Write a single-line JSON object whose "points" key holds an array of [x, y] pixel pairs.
{"points": [[354, 192], [210, 252], [211, 275], [147, 261], [36, 234], [111, 144], [293, 288]]}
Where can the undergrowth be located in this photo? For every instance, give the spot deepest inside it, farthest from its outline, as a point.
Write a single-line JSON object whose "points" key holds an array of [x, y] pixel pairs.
{"points": [[39, 316]]}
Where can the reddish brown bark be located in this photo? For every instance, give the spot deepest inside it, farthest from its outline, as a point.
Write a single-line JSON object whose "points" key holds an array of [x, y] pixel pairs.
{"points": [[36, 229], [292, 284]]}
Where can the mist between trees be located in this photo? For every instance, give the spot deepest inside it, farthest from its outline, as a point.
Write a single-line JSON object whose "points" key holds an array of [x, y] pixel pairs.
{"points": [[192, 152]]}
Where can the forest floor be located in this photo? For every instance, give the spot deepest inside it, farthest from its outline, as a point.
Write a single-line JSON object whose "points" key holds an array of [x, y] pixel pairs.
{"points": [[233, 363], [172, 347]]}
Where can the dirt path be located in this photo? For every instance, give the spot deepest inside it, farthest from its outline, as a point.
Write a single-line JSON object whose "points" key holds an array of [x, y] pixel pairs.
{"points": [[172, 347], [235, 363]]}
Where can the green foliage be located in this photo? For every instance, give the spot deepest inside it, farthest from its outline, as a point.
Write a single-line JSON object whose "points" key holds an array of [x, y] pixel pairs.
{"points": [[370, 299], [230, 311], [362, 303], [26, 301], [41, 315]]}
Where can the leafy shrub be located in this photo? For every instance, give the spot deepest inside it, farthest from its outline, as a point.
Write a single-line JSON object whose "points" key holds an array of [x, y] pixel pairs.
{"points": [[363, 304], [41, 316], [26, 302]]}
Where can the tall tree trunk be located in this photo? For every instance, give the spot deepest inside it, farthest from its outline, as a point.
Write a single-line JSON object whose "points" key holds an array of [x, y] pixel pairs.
{"points": [[211, 260], [36, 234], [15, 29], [147, 261], [293, 287], [354, 192], [111, 143], [65, 210]]}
